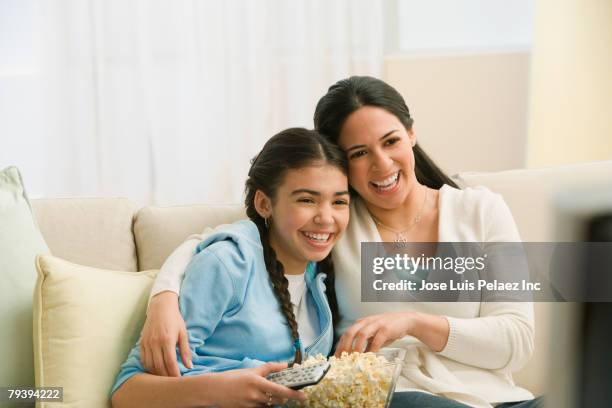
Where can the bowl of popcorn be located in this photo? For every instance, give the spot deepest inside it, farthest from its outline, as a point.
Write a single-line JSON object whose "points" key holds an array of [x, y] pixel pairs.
{"points": [[355, 380]]}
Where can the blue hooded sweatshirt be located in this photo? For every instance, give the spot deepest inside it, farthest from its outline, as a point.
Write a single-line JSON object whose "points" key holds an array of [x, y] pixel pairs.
{"points": [[232, 315]]}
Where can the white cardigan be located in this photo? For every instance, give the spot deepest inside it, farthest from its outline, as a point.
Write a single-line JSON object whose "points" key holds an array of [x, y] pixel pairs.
{"points": [[487, 341]]}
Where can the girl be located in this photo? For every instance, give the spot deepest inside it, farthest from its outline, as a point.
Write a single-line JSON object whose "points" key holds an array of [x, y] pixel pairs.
{"points": [[255, 290], [457, 353]]}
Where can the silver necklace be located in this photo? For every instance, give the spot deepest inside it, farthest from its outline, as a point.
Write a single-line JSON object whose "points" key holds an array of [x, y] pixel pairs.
{"points": [[399, 234]]}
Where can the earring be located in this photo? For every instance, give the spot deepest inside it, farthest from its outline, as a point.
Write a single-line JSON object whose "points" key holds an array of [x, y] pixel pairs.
{"points": [[266, 223]]}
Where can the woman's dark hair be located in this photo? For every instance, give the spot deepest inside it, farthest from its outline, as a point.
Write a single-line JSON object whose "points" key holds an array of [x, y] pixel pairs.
{"points": [[348, 95], [290, 149]]}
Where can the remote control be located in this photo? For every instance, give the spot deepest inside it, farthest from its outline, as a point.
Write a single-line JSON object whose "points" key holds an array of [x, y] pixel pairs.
{"points": [[300, 377]]}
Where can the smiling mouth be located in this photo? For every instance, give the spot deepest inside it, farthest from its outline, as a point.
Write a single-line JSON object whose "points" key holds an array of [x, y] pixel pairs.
{"points": [[318, 239], [386, 184]]}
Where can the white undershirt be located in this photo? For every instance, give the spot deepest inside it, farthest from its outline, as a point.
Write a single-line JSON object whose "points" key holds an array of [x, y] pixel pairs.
{"points": [[307, 324]]}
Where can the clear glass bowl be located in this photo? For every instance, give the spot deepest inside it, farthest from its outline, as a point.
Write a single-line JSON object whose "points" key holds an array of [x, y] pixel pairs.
{"points": [[364, 388], [395, 357]]}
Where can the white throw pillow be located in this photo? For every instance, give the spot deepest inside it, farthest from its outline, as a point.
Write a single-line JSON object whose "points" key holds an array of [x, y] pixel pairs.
{"points": [[86, 320]]}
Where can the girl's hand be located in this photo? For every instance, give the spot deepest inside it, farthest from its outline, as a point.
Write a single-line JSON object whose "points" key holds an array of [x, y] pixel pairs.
{"points": [[249, 388], [163, 329], [374, 332], [377, 331]]}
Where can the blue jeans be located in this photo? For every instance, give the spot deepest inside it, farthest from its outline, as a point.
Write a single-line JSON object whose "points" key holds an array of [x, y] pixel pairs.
{"points": [[423, 400], [534, 403]]}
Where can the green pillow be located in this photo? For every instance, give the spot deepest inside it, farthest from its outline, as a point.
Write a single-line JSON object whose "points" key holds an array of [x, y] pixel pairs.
{"points": [[20, 242]]}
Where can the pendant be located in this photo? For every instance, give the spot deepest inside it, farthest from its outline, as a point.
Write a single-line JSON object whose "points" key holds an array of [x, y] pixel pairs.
{"points": [[400, 241]]}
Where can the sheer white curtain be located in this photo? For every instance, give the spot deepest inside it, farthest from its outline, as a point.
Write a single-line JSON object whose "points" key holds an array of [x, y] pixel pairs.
{"points": [[166, 101]]}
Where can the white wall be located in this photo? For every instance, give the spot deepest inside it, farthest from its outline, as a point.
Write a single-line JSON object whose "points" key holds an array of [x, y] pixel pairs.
{"points": [[463, 68], [469, 110], [465, 25]]}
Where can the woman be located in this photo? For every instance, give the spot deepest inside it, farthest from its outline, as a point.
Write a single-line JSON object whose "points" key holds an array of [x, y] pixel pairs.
{"points": [[464, 351], [457, 353], [254, 291]]}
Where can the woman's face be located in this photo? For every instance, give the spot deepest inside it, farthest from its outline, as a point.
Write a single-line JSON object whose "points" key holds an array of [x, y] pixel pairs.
{"points": [[309, 214], [381, 161]]}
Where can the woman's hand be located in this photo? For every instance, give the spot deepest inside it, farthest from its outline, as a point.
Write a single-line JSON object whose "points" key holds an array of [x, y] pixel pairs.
{"points": [[163, 329], [374, 332], [249, 388], [377, 331]]}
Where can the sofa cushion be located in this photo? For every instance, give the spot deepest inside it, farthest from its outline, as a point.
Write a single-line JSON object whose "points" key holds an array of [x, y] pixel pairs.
{"points": [[89, 231], [529, 192], [85, 322], [20, 242], [159, 230]]}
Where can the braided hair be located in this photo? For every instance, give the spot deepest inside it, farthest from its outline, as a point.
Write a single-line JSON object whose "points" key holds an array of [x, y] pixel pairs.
{"points": [[290, 149]]}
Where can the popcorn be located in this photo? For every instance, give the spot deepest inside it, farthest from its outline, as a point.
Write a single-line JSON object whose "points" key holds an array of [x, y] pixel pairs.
{"points": [[353, 380]]}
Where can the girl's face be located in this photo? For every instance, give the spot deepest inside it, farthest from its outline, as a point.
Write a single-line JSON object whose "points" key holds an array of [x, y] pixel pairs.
{"points": [[308, 215], [381, 161]]}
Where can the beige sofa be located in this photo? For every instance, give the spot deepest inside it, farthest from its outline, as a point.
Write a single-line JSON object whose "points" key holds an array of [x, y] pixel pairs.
{"points": [[112, 233]]}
